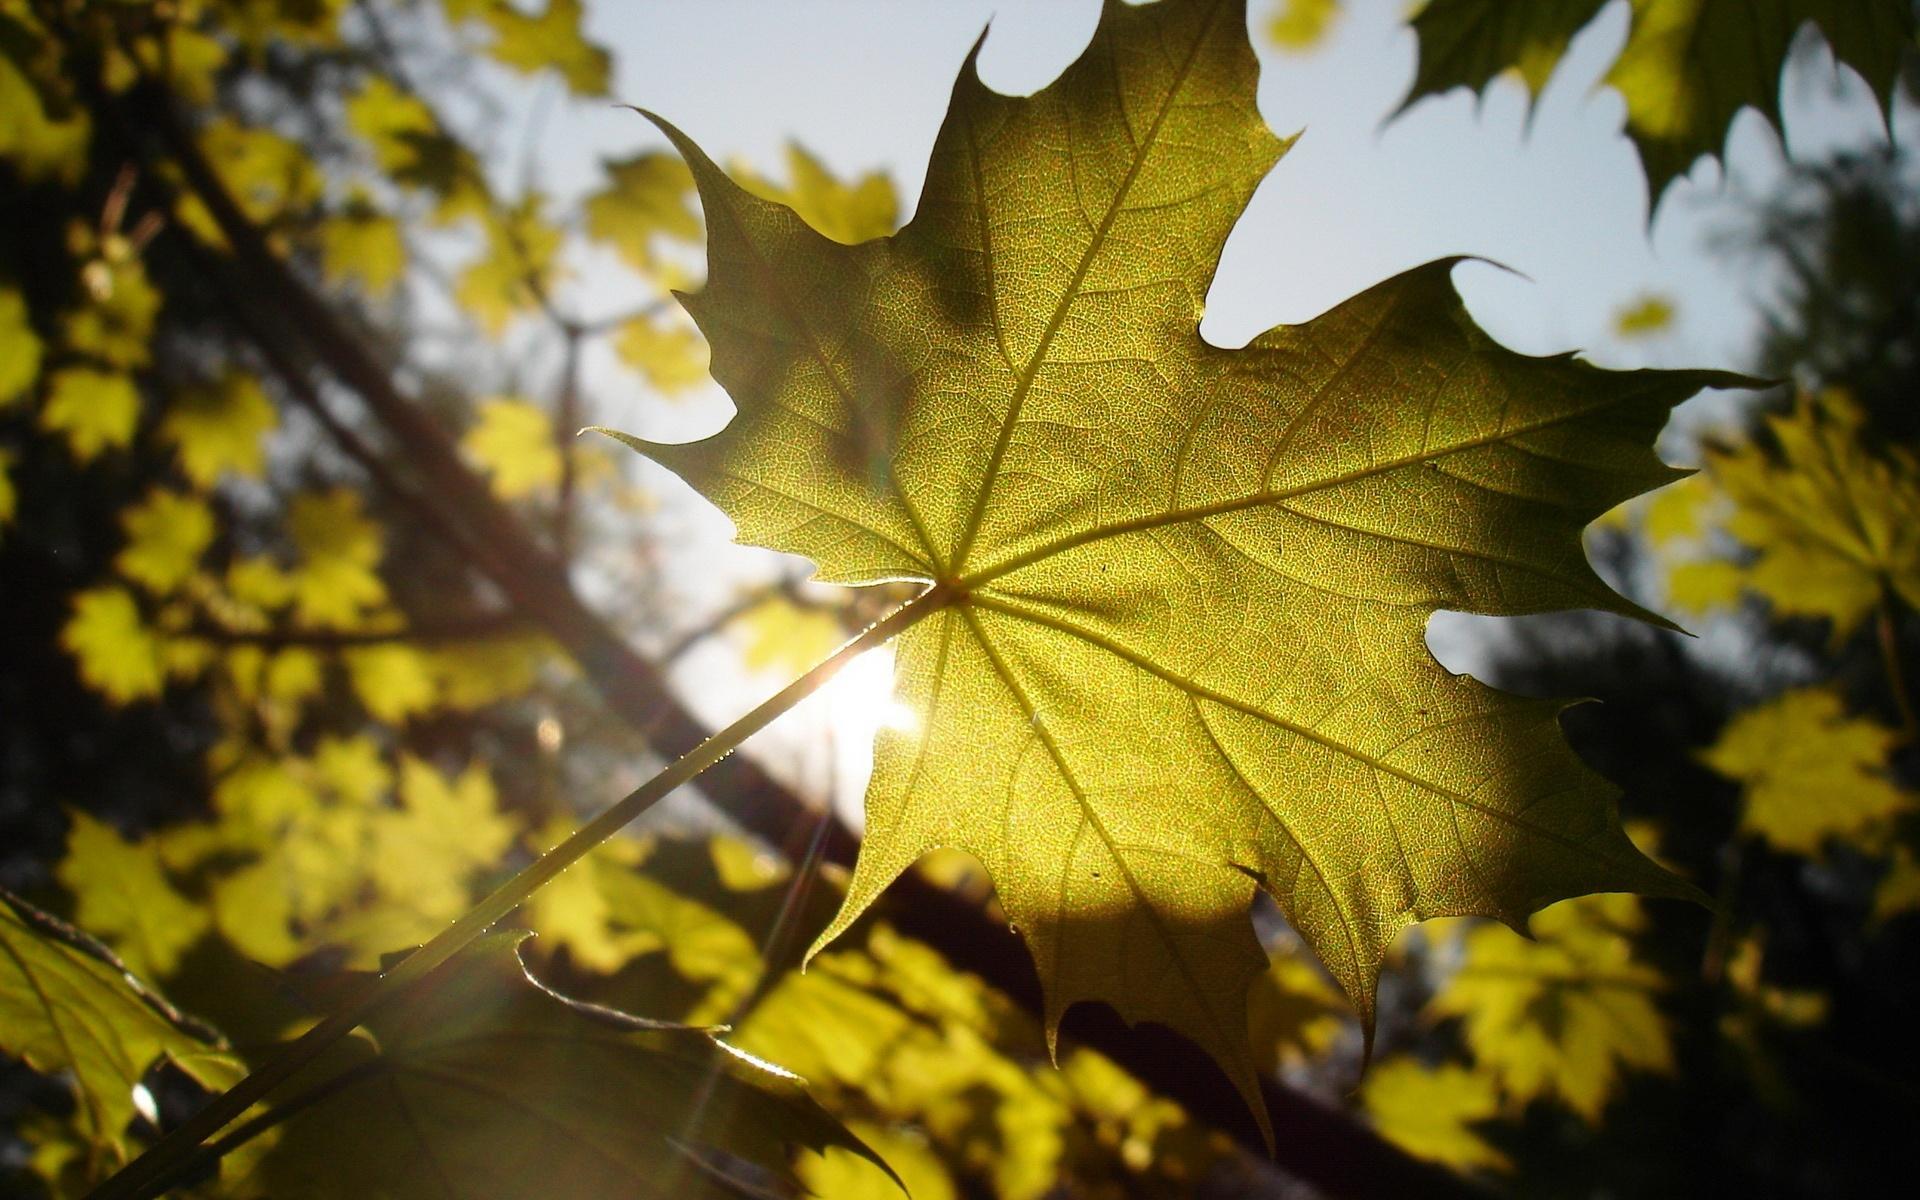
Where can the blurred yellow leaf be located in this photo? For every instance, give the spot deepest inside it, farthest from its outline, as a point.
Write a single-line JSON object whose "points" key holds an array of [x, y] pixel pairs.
{"points": [[743, 867], [846, 212], [114, 324], [393, 680], [1430, 1111], [780, 636], [672, 358], [1833, 525], [647, 196], [1643, 318], [518, 258], [1704, 585], [351, 767], [166, 534], [1300, 26], [1294, 1014], [219, 428], [481, 671], [93, 410], [339, 547], [549, 38], [122, 895], [20, 347], [1809, 772], [444, 831], [1563, 1014], [118, 655], [363, 246], [1899, 889], [270, 176], [513, 441], [39, 147]]}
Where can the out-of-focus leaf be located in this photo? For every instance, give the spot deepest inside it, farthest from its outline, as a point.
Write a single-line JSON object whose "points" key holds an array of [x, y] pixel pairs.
{"points": [[519, 257], [782, 637], [481, 671], [1301, 26], [68, 1006], [513, 441], [854, 212], [123, 896], [93, 410], [270, 176], [1294, 1014], [39, 146], [1430, 1111], [118, 654], [1809, 772], [166, 534], [1899, 889], [220, 428], [444, 831], [363, 246], [339, 547], [1833, 524], [20, 347], [488, 1085], [672, 358], [550, 38], [113, 326], [1563, 1014], [393, 680], [647, 196]]}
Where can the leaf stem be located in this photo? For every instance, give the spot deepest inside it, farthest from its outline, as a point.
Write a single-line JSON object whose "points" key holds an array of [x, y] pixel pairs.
{"points": [[150, 1173]]}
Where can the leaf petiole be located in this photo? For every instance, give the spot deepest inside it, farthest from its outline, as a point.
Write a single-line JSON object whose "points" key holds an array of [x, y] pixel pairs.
{"points": [[159, 1166]]}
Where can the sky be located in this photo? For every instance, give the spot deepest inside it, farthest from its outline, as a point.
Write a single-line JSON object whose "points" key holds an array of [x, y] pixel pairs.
{"points": [[1557, 198]]}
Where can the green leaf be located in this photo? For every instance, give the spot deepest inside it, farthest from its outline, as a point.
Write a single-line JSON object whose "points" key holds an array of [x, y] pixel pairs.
{"points": [[549, 39], [93, 410], [68, 1006], [122, 894], [118, 654], [513, 441], [487, 1084], [1564, 1013], [1688, 67], [1431, 1111], [220, 428], [846, 212], [1809, 772], [20, 347], [647, 196], [1174, 649], [166, 534]]}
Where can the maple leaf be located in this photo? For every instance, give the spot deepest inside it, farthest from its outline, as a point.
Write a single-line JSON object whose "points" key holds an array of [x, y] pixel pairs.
{"points": [[1835, 525], [1809, 772], [20, 347], [489, 1084], [1563, 1013], [122, 894], [1430, 1111], [67, 1005], [93, 410], [1688, 66], [220, 428], [513, 441], [1173, 644]]}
